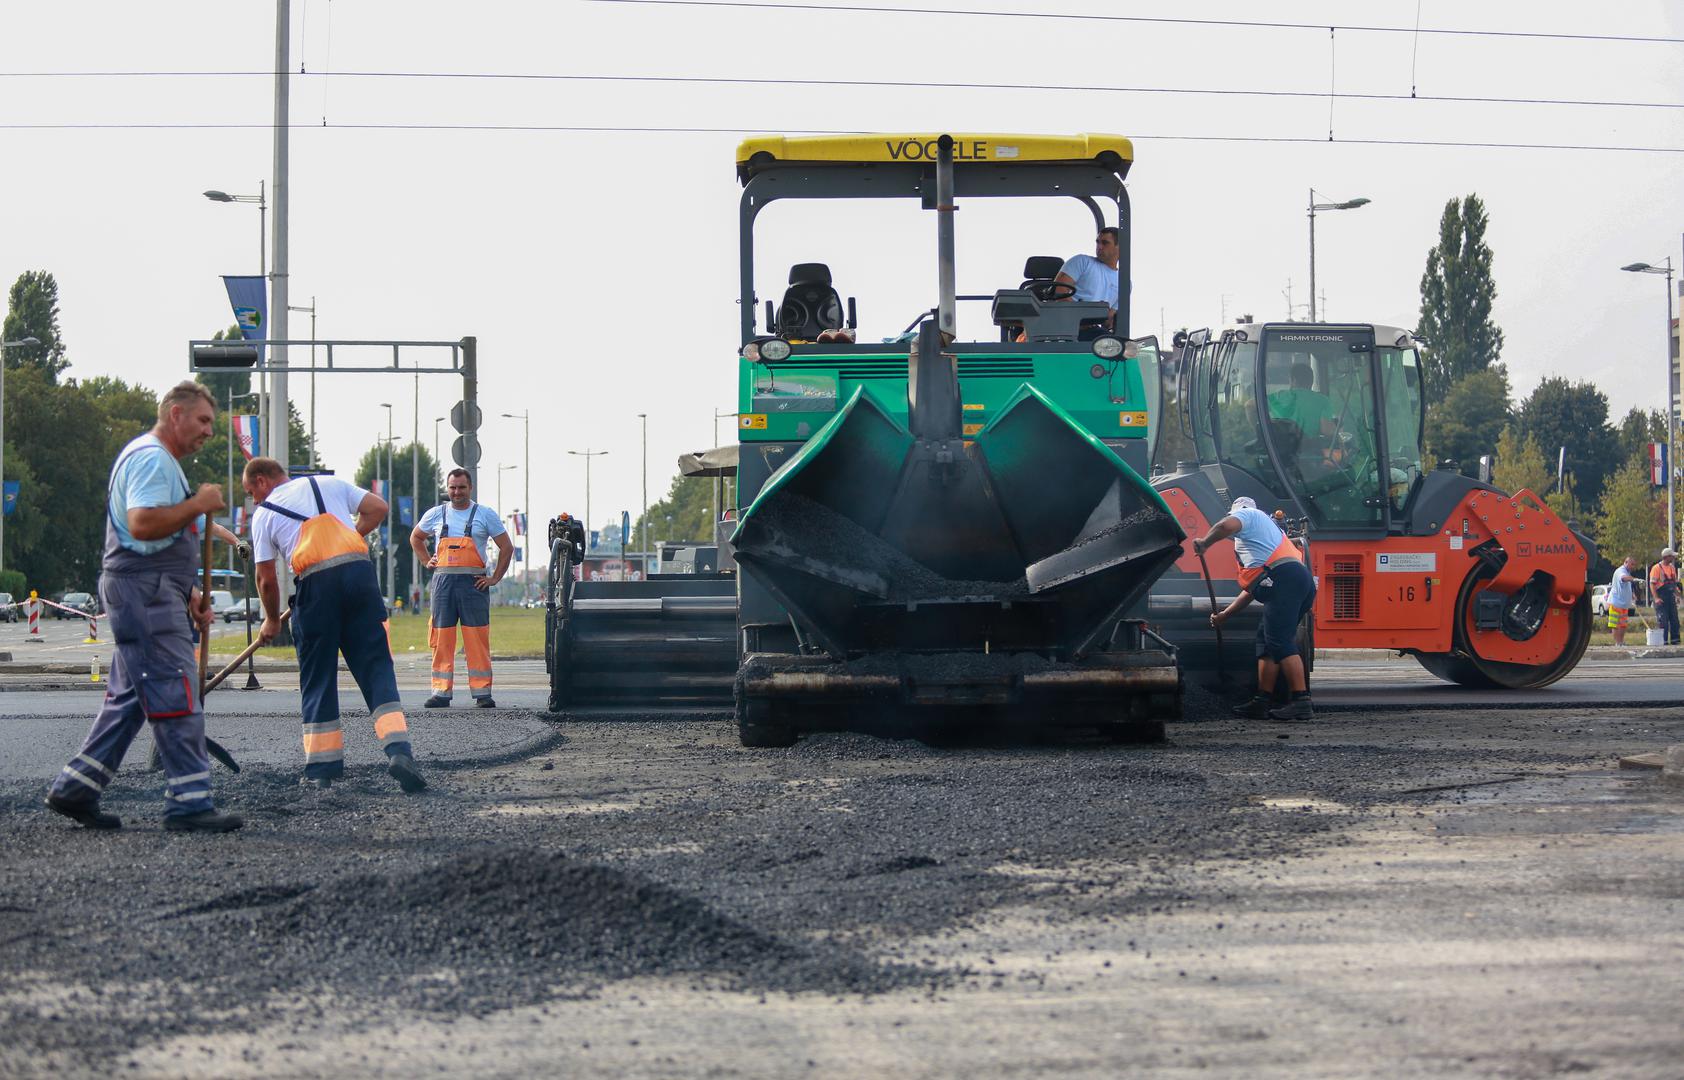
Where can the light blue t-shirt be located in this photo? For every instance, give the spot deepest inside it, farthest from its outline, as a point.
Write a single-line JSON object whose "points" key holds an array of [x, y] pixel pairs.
{"points": [[148, 477], [1619, 588], [485, 525], [1094, 280], [1258, 537]]}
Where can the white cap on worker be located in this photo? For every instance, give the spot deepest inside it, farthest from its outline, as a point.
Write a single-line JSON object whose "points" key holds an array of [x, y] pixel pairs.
{"points": [[1244, 502], [1668, 552]]}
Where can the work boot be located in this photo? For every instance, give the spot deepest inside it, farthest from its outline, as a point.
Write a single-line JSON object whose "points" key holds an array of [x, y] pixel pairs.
{"points": [[316, 783], [203, 821], [1298, 708], [84, 812], [403, 770], [484, 703], [1255, 709], [437, 701]]}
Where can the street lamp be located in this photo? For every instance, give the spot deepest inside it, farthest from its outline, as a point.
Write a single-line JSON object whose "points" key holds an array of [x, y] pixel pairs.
{"points": [[1348, 204], [587, 454], [392, 503], [20, 343], [1671, 394], [526, 533], [262, 204]]}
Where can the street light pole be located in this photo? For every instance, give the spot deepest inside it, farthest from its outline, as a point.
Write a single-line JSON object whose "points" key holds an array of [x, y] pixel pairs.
{"points": [[392, 501], [1348, 204], [525, 418], [643, 545], [312, 310], [587, 454], [20, 343], [278, 413], [262, 203], [1671, 397]]}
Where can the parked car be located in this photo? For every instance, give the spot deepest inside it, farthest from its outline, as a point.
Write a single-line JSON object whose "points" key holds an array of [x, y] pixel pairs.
{"points": [[1599, 601], [220, 598], [81, 601], [250, 610], [8, 613]]}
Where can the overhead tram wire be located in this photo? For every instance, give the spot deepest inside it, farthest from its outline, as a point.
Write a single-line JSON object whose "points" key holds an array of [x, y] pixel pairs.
{"points": [[613, 129], [1246, 24], [890, 84]]}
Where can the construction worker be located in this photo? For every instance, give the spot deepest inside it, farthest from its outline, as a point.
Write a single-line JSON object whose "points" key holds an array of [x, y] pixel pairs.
{"points": [[460, 529], [147, 575], [318, 524], [1663, 590], [1622, 598], [1272, 571]]}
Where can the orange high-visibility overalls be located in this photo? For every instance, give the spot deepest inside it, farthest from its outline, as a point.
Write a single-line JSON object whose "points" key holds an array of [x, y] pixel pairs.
{"points": [[456, 600], [338, 609]]}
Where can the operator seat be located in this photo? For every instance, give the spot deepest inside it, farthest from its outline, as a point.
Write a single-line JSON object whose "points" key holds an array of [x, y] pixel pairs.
{"points": [[1039, 272], [811, 305]]}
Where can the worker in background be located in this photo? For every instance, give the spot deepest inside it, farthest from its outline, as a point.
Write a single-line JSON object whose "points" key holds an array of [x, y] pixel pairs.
{"points": [[147, 582], [462, 585], [1094, 277], [1310, 410], [1622, 599], [1272, 571], [318, 525], [1663, 590]]}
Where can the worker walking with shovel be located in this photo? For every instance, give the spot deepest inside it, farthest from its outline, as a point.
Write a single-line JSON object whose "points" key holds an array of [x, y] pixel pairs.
{"points": [[318, 524], [154, 522], [1272, 570]]}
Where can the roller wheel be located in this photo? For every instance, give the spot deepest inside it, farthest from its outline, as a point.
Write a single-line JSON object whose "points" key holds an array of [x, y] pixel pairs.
{"points": [[761, 725], [557, 658], [1466, 669]]}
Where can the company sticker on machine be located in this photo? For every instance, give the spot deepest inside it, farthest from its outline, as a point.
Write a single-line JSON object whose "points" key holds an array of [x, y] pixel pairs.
{"points": [[1406, 562]]}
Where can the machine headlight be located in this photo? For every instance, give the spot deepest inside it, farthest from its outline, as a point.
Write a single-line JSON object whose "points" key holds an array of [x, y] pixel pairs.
{"points": [[1108, 347], [774, 349], [751, 352]]}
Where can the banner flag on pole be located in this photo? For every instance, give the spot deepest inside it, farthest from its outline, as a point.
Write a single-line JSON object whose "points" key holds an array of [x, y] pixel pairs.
{"points": [[249, 297], [245, 434], [239, 520], [1657, 464], [406, 509], [11, 497], [378, 487], [518, 521]]}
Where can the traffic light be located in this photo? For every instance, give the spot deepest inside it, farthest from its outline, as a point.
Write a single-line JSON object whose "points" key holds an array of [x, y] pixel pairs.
{"points": [[221, 357]]}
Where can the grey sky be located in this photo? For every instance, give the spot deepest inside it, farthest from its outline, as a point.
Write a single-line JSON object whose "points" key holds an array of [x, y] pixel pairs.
{"points": [[598, 269]]}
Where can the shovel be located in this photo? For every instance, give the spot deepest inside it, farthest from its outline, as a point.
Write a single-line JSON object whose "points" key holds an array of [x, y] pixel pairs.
{"points": [[216, 680]]}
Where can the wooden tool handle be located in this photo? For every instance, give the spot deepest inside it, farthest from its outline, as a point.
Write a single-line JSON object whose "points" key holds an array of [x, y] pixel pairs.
{"points": [[217, 679], [204, 600]]}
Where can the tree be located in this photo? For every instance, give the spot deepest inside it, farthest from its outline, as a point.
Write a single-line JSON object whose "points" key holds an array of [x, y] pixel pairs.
{"points": [[404, 458], [1633, 519], [1460, 425], [1558, 414], [1457, 291], [1520, 464], [32, 311], [67, 440], [1638, 430], [689, 505]]}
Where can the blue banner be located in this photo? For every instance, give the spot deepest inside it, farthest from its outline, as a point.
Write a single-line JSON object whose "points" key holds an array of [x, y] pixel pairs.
{"points": [[625, 531], [406, 510], [249, 297], [12, 497]]}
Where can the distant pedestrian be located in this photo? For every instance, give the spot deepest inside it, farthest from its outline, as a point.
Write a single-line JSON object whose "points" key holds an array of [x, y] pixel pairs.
{"points": [[1272, 570], [318, 525], [1622, 598], [148, 576], [1663, 589], [460, 530]]}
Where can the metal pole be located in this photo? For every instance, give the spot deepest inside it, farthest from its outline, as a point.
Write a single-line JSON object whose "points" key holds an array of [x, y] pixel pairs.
{"points": [[3, 457], [229, 420], [1312, 257], [945, 260], [470, 395], [643, 546], [262, 445], [1671, 418], [415, 490], [526, 530], [314, 457], [391, 526], [278, 434]]}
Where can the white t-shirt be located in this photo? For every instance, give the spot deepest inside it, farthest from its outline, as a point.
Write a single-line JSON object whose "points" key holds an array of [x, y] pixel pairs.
{"points": [[1094, 280], [483, 527], [1619, 588], [1258, 537], [276, 534]]}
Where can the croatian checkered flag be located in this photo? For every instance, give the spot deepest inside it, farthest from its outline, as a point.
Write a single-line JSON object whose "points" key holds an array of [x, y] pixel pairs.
{"points": [[518, 520], [245, 433]]}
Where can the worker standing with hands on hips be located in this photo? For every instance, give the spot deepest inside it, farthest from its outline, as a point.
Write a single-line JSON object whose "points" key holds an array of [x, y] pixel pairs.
{"points": [[1272, 571], [318, 524], [147, 581], [460, 529], [1663, 590]]}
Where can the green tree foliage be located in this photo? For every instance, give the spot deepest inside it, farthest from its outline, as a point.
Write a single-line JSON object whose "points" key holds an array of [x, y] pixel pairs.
{"points": [[1573, 415], [1461, 425], [1638, 430], [689, 505], [1521, 464], [1633, 517], [32, 311], [1457, 291], [405, 459]]}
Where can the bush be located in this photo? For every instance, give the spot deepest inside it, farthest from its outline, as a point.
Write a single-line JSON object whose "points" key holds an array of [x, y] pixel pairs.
{"points": [[13, 581]]}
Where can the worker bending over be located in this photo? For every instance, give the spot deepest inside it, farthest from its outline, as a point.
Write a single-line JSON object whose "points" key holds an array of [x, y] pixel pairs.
{"points": [[1273, 572], [461, 586], [318, 524], [146, 582]]}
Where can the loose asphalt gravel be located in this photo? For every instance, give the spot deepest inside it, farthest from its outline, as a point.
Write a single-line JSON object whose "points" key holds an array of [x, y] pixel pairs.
{"points": [[846, 868]]}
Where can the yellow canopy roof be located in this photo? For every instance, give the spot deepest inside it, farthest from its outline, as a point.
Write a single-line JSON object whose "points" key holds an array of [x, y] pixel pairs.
{"points": [[995, 149]]}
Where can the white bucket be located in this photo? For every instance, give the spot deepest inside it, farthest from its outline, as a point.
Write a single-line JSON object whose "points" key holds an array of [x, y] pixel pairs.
{"points": [[1655, 636]]}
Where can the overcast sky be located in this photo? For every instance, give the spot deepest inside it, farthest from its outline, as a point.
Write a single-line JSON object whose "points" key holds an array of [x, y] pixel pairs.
{"points": [[598, 269]]}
